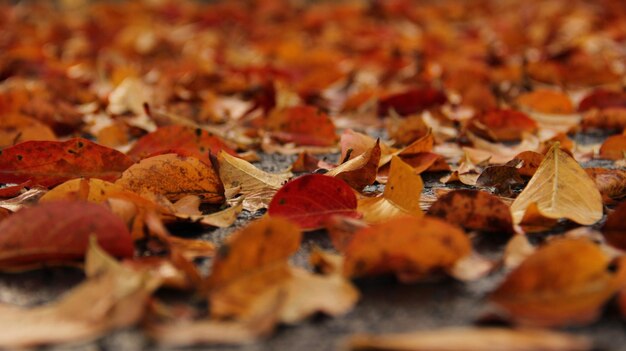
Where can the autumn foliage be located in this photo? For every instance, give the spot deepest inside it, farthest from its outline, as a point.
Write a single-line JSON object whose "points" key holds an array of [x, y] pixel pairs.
{"points": [[417, 133]]}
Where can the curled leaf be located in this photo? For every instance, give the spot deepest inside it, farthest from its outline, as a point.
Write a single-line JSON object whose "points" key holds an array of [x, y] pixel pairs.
{"points": [[561, 189]]}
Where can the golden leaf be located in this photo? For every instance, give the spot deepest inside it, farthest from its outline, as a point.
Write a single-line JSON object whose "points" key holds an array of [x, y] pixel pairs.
{"points": [[400, 197], [561, 189]]}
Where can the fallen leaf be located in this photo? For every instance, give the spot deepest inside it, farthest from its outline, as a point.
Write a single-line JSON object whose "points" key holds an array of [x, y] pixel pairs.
{"points": [[303, 125], [473, 210], [305, 163], [262, 243], [194, 142], [409, 247], [411, 101], [614, 147], [39, 235], [614, 229], [311, 199], [256, 186], [517, 250], [612, 118], [47, 163], [360, 171], [174, 177], [405, 130], [610, 182], [471, 339], [15, 128], [92, 190], [565, 282], [530, 162], [534, 221], [546, 101], [602, 99], [561, 189], [400, 197], [503, 125], [502, 178], [111, 298]]}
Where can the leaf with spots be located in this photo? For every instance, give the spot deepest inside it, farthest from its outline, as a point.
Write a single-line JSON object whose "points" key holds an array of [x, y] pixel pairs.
{"points": [[412, 248], [312, 199], [48, 163], [565, 282], [473, 210], [174, 177], [59, 231]]}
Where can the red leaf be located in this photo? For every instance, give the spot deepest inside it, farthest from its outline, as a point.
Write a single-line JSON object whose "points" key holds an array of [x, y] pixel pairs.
{"points": [[411, 101], [48, 163], [189, 141], [311, 199], [302, 125], [602, 99], [59, 231]]}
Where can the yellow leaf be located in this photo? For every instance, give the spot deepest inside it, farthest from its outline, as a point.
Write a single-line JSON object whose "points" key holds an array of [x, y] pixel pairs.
{"points": [[401, 195], [256, 186], [561, 189], [92, 190]]}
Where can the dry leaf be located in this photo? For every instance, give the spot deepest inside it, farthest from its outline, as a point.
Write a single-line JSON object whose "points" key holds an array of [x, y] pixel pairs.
{"points": [[359, 171], [256, 186], [561, 189], [473, 210], [610, 182], [112, 297], [565, 282], [410, 247], [400, 197], [174, 177], [471, 339]]}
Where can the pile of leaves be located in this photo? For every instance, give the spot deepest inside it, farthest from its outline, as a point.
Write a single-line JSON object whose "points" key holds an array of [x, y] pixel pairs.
{"points": [[121, 120]]}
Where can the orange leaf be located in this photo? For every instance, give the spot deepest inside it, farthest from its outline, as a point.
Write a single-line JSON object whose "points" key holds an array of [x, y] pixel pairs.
{"points": [[303, 125]]}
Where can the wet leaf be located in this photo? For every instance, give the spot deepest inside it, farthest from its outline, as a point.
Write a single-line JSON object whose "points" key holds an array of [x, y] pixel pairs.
{"points": [[400, 197], [565, 282], [174, 177], [311, 199], [47, 163], [561, 189], [409, 247], [473, 210], [471, 339], [58, 231]]}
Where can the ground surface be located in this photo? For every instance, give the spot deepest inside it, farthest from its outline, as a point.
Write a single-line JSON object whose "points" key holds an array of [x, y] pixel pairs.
{"points": [[385, 306]]}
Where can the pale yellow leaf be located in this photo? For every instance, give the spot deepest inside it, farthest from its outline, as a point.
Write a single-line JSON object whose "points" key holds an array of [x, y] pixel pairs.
{"points": [[561, 189]]}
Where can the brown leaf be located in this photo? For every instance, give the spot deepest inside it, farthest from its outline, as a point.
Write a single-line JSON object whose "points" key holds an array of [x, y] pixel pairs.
{"points": [[112, 297], [564, 282], [359, 171], [174, 177], [610, 182], [471, 339], [473, 210], [410, 247], [614, 229]]}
